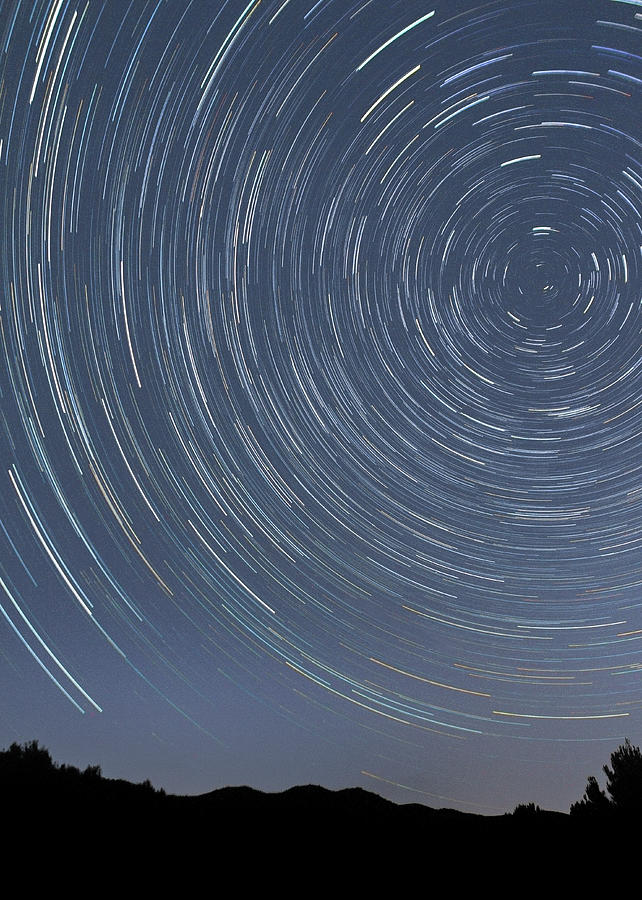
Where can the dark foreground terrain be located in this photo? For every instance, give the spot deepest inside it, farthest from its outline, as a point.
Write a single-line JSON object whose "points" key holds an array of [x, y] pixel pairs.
{"points": [[100, 825]]}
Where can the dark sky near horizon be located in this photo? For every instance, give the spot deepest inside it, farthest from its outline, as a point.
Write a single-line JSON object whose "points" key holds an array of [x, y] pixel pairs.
{"points": [[321, 392]]}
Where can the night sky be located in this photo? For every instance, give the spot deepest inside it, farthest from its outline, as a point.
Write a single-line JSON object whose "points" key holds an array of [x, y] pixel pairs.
{"points": [[321, 392]]}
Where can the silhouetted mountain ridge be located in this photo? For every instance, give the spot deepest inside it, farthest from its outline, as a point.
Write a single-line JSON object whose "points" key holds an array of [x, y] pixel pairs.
{"points": [[35, 789], [316, 798]]}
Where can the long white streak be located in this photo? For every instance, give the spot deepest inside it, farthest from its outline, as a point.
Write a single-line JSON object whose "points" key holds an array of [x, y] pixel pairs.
{"points": [[279, 10], [509, 162], [42, 51], [388, 42], [129, 340], [390, 89]]}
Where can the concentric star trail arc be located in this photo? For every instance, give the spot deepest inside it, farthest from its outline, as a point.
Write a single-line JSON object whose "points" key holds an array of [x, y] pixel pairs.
{"points": [[321, 335]]}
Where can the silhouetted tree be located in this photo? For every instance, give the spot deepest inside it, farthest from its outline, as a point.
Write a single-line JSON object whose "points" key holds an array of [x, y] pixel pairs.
{"points": [[31, 754], [526, 809], [28, 758], [623, 785], [624, 777], [594, 800]]}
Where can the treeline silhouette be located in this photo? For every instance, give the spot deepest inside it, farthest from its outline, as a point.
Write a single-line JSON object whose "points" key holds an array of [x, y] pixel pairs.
{"points": [[29, 774], [35, 789]]}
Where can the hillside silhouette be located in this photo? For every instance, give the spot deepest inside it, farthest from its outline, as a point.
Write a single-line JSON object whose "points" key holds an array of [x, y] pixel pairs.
{"points": [[83, 803], [66, 826], [72, 823]]}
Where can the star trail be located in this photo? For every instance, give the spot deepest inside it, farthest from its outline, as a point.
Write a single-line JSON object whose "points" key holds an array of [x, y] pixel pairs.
{"points": [[321, 390]]}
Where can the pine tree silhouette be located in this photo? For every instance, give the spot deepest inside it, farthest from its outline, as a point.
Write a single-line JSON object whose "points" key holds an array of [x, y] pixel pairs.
{"points": [[623, 785]]}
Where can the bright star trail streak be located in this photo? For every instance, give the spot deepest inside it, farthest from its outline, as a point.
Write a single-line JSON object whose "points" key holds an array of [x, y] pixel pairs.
{"points": [[321, 416]]}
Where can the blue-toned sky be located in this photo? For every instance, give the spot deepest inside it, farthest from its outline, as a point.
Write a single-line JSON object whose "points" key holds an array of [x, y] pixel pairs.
{"points": [[321, 392]]}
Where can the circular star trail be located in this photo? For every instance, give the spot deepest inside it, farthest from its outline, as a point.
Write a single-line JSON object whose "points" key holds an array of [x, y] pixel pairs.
{"points": [[322, 359]]}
